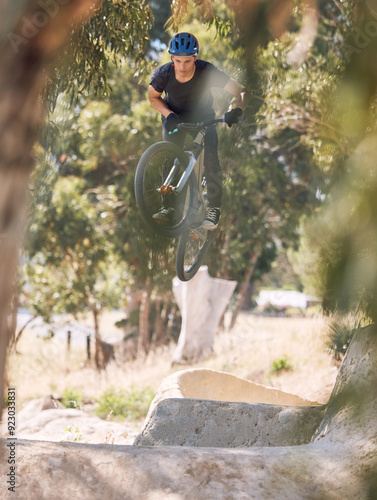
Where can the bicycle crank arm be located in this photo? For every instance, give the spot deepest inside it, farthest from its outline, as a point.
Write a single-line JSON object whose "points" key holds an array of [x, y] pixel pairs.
{"points": [[198, 233]]}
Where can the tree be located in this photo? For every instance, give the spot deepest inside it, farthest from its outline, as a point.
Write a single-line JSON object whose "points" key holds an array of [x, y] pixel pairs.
{"points": [[270, 178], [31, 36], [21, 81], [308, 80], [69, 270], [116, 28], [98, 145]]}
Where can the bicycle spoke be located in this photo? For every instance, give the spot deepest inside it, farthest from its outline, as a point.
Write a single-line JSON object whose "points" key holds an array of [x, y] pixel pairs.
{"points": [[192, 248], [158, 172]]}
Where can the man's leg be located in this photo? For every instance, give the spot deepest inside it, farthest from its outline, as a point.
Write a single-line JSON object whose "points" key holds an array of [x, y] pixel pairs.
{"points": [[213, 176], [168, 212]]}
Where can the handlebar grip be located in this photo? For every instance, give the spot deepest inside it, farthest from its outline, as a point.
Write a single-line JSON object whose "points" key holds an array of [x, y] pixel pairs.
{"points": [[176, 129], [239, 118]]}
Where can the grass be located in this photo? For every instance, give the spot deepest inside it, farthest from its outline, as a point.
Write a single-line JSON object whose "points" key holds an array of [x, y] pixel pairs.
{"points": [[74, 435]]}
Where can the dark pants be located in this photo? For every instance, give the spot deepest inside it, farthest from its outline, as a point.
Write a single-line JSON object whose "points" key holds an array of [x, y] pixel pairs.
{"points": [[212, 166]]}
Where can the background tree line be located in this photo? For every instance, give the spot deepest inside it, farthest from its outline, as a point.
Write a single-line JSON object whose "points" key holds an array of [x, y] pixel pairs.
{"points": [[88, 248]]}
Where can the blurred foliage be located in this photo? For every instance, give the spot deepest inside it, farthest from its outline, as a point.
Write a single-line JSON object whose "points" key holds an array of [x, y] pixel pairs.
{"points": [[282, 274], [298, 172], [69, 270], [118, 28], [348, 263]]}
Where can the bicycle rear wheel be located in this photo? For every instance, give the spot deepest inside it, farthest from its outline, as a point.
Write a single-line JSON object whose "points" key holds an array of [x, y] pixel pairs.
{"points": [[153, 169], [192, 248]]}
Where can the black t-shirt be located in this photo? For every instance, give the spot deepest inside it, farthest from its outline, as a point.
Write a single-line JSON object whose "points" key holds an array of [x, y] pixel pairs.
{"points": [[191, 100]]}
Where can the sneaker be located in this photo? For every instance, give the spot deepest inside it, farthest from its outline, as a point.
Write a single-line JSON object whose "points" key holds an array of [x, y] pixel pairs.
{"points": [[165, 216], [211, 220]]}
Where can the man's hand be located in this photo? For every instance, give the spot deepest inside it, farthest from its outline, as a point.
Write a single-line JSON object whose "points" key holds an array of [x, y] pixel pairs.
{"points": [[231, 117], [172, 121]]}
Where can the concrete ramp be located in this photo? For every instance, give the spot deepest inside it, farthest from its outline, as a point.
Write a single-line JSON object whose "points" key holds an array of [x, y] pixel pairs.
{"points": [[202, 407], [202, 383], [339, 462]]}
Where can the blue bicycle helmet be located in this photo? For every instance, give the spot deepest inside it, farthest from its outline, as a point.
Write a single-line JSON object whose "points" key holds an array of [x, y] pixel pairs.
{"points": [[184, 45]]}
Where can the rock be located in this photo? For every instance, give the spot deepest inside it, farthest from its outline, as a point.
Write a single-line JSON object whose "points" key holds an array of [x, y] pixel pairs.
{"points": [[219, 415], [66, 471], [192, 422], [58, 423], [352, 408], [38, 405]]}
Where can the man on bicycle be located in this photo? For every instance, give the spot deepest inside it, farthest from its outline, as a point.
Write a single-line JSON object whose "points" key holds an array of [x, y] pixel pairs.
{"points": [[187, 83]]}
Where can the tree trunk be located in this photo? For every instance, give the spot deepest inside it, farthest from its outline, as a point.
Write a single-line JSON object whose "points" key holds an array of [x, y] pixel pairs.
{"points": [[161, 339], [202, 302], [88, 348], [98, 354], [241, 294], [26, 49], [104, 352], [160, 326], [69, 341], [170, 323], [19, 334], [157, 327], [145, 307]]}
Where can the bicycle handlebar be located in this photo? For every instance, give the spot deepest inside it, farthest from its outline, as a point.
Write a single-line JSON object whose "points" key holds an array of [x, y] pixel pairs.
{"points": [[201, 124]]}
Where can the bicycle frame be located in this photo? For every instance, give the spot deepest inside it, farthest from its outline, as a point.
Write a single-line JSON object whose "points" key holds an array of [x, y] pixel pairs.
{"points": [[197, 148], [197, 223], [177, 173], [167, 170]]}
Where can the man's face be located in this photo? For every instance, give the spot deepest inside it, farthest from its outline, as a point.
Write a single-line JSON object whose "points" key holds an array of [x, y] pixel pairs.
{"points": [[184, 65]]}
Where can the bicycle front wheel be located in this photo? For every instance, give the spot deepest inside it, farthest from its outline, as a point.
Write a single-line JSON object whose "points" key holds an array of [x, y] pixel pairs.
{"points": [[161, 161], [192, 248]]}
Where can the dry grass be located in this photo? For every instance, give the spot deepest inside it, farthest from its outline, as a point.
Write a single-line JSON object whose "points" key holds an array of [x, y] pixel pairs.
{"points": [[44, 367]]}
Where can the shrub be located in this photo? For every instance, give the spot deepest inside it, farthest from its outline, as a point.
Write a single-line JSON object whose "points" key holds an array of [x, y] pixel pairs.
{"points": [[123, 404], [72, 398], [271, 310], [280, 365], [294, 312], [340, 335]]}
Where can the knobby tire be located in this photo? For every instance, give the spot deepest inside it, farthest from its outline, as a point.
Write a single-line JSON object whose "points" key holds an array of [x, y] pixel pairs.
{"points": [[190, 254], [148, 179]]}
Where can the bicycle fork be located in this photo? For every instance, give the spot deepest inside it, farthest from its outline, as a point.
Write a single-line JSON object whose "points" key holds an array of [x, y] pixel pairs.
{"points": [[167, 187]]}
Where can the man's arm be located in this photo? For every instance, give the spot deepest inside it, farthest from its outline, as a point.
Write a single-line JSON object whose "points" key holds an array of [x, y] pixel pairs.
{"points": [[239, 91], [157, 102]]}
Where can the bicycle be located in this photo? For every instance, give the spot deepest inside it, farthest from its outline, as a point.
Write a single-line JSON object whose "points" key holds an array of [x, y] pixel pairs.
{"points": [[168, 174]]}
